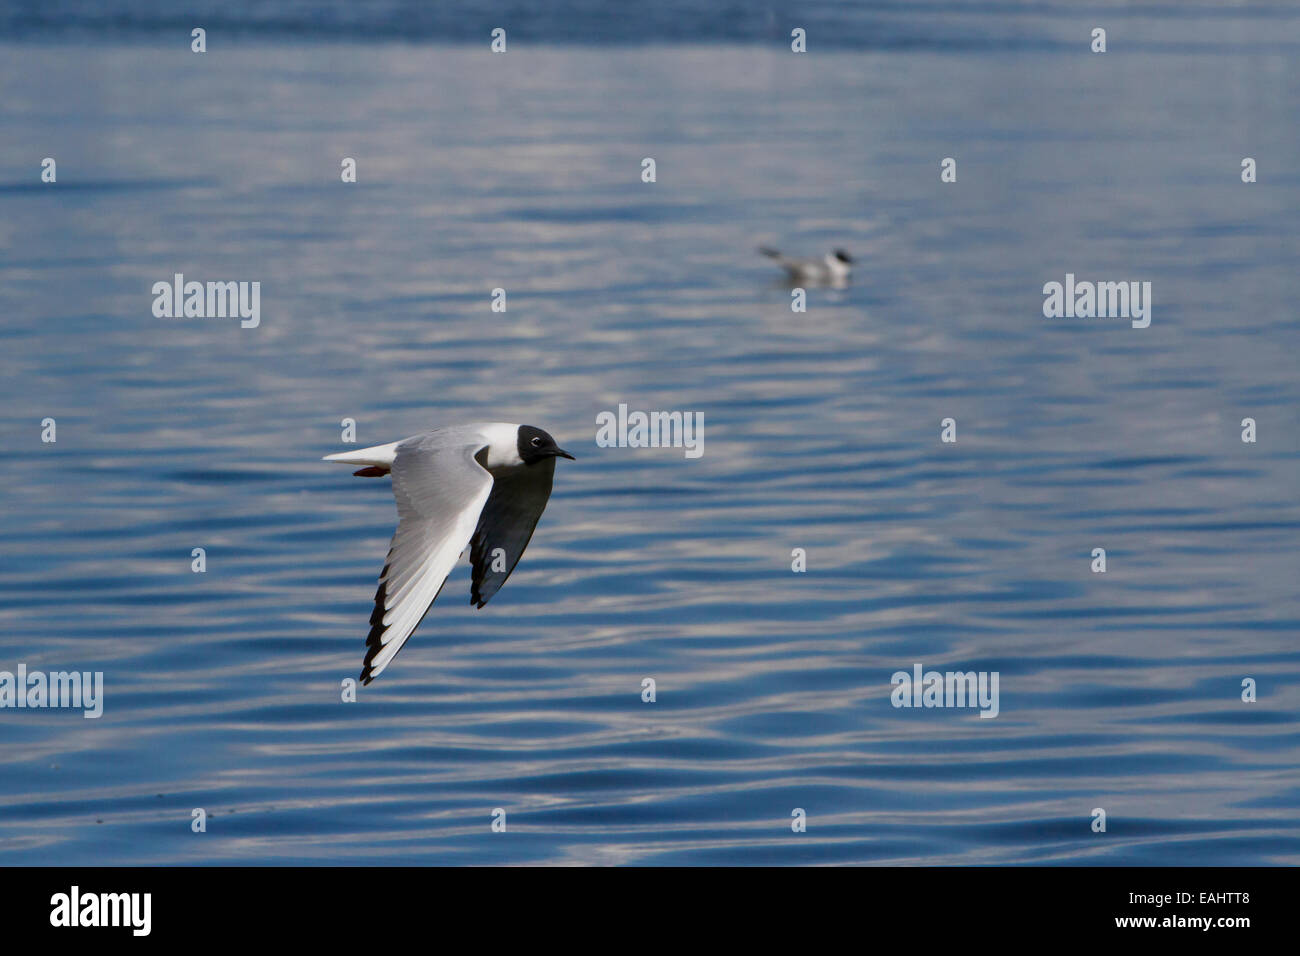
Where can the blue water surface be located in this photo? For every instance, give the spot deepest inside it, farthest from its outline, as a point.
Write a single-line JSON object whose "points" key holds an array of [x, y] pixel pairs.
{"points": [[522, 171]]}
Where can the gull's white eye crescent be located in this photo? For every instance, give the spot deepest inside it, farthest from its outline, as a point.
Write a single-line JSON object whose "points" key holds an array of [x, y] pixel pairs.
{"points": [[536, 442]]}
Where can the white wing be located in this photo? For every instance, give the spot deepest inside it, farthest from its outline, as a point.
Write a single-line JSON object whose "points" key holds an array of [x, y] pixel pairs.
{"points": [[440, 489], [794, 268]]}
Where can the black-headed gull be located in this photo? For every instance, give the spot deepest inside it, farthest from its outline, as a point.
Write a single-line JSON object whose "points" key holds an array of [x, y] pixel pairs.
{"points": [[832, 268], [482, 485]]}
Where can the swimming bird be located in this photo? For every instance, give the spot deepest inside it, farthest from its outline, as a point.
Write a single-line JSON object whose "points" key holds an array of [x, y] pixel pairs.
{"points": [[833, 268], [483, 486]]}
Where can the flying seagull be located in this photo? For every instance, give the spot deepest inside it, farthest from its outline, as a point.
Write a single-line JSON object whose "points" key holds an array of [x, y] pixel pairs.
{"points": [[482, 485], [833, 268]]}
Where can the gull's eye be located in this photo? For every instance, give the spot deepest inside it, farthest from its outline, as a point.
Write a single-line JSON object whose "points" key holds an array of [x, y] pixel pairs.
{"points": [[536, 442]]}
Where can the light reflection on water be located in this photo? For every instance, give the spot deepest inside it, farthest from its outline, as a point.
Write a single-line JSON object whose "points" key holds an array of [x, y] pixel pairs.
{"points": [[1117, 690]]}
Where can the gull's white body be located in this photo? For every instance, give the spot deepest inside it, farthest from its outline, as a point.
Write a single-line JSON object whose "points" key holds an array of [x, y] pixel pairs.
{"points": [[828, 269], [498, 436]]}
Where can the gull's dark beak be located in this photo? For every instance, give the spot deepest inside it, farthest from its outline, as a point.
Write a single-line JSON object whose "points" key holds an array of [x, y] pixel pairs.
{"points": [[561, 453]]}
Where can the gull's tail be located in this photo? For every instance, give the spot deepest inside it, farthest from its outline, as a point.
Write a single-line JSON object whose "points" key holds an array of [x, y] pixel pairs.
{"points": [[377, 459]]}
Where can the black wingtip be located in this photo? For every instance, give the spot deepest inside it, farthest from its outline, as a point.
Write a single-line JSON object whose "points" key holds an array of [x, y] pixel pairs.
{"points": [[373, 644], [476, 549]]}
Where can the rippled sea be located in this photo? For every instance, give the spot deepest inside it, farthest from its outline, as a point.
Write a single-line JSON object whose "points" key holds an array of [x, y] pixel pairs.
{"points": [[1119, 691]]}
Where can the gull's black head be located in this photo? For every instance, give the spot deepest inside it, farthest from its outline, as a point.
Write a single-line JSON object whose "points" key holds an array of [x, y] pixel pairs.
{"points": [[843, 256], [535, 445]]}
